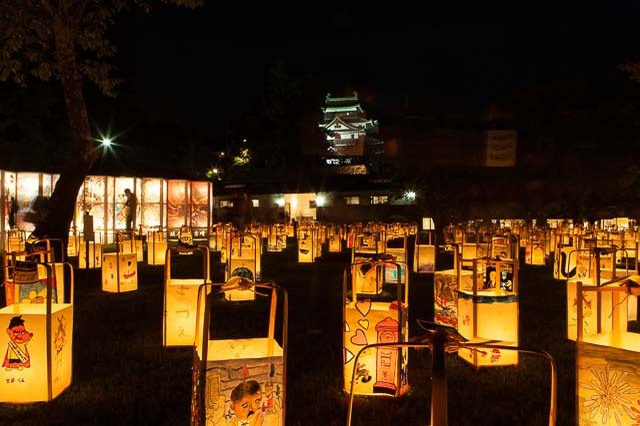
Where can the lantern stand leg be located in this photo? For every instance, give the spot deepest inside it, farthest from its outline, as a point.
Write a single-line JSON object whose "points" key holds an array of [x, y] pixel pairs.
{"points": [[439, 410]]}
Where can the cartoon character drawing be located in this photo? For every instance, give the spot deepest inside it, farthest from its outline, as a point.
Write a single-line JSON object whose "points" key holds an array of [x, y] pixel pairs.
{"points": [[60, 338], [245, 404], [17, 356]]}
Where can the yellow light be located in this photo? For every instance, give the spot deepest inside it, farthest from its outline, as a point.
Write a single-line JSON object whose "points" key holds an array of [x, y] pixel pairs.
{"points": [[320, 200], [294, 202], [280, 202]]}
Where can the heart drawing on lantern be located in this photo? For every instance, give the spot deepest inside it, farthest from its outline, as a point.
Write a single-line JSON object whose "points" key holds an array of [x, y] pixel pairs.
{"points": [[359, 338], [364, 323], [364, 306]]}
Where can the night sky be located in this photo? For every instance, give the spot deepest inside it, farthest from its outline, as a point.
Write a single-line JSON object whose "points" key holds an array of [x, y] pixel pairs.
{"points": [[203, 67]]}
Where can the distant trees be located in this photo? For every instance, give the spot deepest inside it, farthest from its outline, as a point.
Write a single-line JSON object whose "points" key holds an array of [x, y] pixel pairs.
{"points": [[66, 41]]}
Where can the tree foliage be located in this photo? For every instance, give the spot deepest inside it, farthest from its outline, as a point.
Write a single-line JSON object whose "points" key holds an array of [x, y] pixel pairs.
{"points": [[66, 41]]}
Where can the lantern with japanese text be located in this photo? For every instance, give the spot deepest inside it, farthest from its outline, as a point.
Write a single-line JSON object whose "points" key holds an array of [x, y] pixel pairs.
{"points": [[607, 375], [181, 294], [37, 364], [119, 271], [375, 318], [239, 378], [488, 311]]}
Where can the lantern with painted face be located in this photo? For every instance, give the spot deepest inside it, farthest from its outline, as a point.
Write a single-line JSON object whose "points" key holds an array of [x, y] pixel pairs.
{"points": [[369, 318], [37, 354], [239, 378], [181, 294]]}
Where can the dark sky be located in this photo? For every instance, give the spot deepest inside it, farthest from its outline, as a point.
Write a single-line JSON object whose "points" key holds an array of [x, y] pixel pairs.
{"points": [[204, 67]]}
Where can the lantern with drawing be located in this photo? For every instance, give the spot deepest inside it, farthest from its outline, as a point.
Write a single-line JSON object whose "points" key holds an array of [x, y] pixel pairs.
{"points": [[488, 311], [181, 294], [535, 247], [424, 254], [307, 244], [37, 362], [90, 251], [244, 257], [239, 378], [119, 270], [379, 317], [607, 375]]}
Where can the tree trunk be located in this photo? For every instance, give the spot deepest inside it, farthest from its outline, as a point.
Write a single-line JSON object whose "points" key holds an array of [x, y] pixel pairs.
{"points": [[61, 206]]}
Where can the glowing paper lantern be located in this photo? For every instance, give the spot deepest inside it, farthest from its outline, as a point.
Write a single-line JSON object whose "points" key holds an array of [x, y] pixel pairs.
{"points": [[244, 258], [15, 240], [37, 362], [607, 375], [119, 272], [446, 284], [156, 248], [335, 239], [489, 312], [535, 248], [130, 244], [181, 298], [367, 320], [89, 255], [239, 380], [307, 242], [424, 254]]}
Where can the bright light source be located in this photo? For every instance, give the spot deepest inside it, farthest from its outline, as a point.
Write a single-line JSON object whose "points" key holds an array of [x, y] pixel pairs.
{"points": [[294, 202], [410, 195], [280, 201], [106, 141], [215, 171], [320, 200]]}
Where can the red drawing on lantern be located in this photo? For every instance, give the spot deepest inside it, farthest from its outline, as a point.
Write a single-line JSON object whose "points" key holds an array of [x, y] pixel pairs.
{"points": [[17, 355]]}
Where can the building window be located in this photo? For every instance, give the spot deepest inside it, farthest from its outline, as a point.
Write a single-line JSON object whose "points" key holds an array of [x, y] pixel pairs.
{"points": [[333, 161], [226, 204], [379, 199], [352, 200], [255, 202]]}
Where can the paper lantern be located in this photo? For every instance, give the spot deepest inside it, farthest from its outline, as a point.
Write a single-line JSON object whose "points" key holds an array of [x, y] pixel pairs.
{"points": [[471, 251], [395, 249], [181, 297], [590, 305], [379, 319], [156, 248], [276, 238], [37, 362], [119, 272], [489, 312], [15, 240], [244, 258], [607, 375], [307, 243], [424, 253], [89, 255], [237, 379], [334, 237], [130, 244], [535, 248], [446, 284]]}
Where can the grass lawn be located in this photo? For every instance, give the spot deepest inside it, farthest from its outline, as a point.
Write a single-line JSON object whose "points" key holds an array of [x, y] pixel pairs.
{"points": [[123, 375]]}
